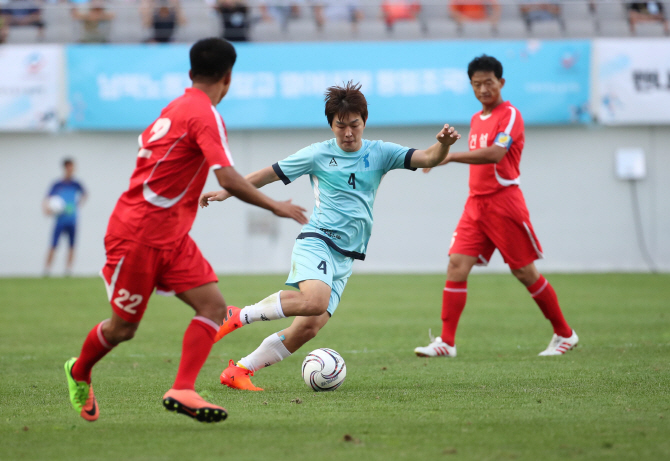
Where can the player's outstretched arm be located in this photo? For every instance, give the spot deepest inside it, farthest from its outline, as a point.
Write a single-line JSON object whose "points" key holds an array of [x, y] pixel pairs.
{"points": [[237, 186], [490, 154], [436, 153], [258, 178]]}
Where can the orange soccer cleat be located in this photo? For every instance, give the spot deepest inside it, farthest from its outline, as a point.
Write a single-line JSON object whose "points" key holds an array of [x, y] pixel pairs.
{"points": [[231, 323], [189, 403], [238, 378]]}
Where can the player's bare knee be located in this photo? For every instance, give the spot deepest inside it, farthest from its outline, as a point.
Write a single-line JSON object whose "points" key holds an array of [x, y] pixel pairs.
{"points": [[457, 269], [525, 277], [313, 305], [214, 311], [308, 332], [121, 333]]}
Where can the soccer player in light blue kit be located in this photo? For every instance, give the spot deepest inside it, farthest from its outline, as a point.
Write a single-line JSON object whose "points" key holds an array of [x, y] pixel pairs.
{"points": [[345, 173]]}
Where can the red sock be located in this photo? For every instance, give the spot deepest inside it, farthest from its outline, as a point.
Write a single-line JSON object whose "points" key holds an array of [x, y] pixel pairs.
{"points": [[545, 297], [198, 341], [453, 302], [95, 348]]}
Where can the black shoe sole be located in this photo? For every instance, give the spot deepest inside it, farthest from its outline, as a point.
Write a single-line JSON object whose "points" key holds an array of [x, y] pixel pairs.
{"points": [[204, 415]]}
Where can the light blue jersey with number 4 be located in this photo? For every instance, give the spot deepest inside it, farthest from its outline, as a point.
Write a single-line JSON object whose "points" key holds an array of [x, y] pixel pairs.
{"points": [[345, 186]]}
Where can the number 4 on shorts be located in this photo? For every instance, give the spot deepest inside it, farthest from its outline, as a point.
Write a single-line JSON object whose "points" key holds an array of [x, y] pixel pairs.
{"points": [[322, 266]]}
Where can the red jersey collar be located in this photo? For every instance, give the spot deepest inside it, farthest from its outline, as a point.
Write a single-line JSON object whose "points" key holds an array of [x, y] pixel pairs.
{"points": [[197, 92]]}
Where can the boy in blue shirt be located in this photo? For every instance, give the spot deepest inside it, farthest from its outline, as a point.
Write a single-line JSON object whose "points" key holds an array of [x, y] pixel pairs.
{"points": [[73, 195], [345, 173]]}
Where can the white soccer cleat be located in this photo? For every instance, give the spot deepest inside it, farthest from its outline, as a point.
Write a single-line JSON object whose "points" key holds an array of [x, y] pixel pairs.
{"points": [[560, 345], [436, 348]]}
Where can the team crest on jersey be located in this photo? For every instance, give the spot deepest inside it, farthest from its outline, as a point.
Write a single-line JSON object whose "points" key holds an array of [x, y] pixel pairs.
{"points": [[332, 162]]}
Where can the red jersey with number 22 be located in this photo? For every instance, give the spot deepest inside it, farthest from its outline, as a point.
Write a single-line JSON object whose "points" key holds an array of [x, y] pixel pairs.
{"points": [[176, 153], [503, 127]]}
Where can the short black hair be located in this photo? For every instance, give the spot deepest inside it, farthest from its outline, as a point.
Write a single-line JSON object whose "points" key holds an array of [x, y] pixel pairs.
{"points": [[211, 59], [67, 161], [345, 100], [485, 63]]}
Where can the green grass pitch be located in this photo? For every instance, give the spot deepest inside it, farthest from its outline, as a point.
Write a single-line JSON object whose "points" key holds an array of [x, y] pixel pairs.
{"points": [[609, 399]]}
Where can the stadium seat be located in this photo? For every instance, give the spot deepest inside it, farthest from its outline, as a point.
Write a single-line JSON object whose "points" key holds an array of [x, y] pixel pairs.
{"points": [[338, 31], [407, 30], [610, 10], [303, 30], [59, 24], [477, 30], [619, 28], [580, 28], [201, 22], [434, 11], [440, 29], [373, 30], [127, 25], [372, 10], [575, 10], [649, 29], [267, 32], [22, 34], [546, 29], [509, 11], [512, 28]]}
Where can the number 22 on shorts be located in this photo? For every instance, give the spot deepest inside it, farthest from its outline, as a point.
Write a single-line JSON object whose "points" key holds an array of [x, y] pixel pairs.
{"points": [[124, 295]]}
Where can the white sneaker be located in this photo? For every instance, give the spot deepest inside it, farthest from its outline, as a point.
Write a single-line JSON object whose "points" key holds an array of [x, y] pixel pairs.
{"points": [[560, 345], [436, 348]]}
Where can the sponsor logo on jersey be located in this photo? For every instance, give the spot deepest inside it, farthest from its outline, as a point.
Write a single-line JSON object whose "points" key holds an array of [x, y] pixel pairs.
{"points": [[330, 233], [332, 162]]}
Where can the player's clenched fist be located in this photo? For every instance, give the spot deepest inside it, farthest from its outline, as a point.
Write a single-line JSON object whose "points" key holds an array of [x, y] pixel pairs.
{"points": [[448, 135]]}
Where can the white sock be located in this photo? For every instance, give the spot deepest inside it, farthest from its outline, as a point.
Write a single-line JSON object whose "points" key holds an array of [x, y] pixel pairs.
{"points": [[271, 350], [267, 309]]}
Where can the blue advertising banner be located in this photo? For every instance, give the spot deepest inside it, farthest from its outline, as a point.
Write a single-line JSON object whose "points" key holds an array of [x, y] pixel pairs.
{"points": [[281, 85]]}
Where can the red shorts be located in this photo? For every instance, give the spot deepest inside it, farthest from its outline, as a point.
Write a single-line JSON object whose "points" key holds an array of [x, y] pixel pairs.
{"points": [[501, 221], [133, 270]]}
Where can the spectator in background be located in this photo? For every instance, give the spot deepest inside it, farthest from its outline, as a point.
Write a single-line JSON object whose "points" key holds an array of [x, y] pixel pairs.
{"points": [[235, 18], [399, 10], [162, 17], [639, 12], [280, 11], [4, 29], [22, 13], [336, 10], [538, 11], [95, 23], [63, 201], [473, 10]]}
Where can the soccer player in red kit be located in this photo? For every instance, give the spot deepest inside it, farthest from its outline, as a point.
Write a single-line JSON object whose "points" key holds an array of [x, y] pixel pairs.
{"points": [[495, 214], [147, 241]]}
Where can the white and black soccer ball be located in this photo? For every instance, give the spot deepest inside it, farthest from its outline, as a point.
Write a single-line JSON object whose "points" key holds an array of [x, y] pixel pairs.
{"points": [[56, 205], [324, 370]]}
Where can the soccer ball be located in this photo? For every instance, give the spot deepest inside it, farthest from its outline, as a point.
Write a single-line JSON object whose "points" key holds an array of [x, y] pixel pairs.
{"points": [[56, 204], [324, 370]]}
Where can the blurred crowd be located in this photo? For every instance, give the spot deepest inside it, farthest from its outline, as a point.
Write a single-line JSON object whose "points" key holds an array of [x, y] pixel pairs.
{"points": [[160, 21]]}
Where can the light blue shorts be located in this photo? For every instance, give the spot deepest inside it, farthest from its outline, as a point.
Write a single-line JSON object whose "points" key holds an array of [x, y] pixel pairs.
{"points": [[313, 259]]}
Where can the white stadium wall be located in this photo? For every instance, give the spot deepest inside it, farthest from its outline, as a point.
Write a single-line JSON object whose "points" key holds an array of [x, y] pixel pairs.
{"points": [[582, 213]]}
